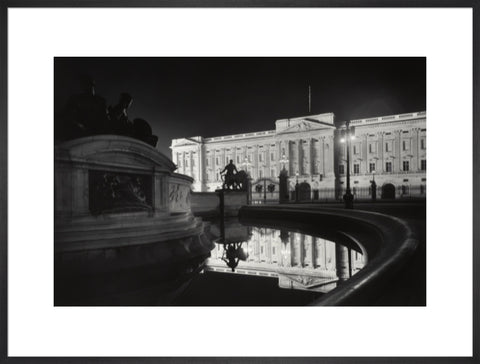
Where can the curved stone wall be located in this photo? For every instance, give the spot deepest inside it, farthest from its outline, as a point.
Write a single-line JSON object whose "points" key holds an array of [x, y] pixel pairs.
{"points": [[389, 242]]}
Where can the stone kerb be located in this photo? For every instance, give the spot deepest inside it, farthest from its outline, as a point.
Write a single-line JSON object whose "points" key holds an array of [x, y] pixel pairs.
{"points": [[389, 242]]}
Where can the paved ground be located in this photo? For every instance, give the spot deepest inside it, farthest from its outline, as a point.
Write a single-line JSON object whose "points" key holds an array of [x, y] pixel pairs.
{"points": [[409, 287]]}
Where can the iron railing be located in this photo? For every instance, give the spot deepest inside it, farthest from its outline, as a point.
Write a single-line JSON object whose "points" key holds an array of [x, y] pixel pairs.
{"points": [[401, 192]]}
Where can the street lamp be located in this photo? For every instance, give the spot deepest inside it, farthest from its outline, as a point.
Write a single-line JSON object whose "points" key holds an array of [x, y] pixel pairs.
{"points": [[284, 161], [246, 164], [374, 187], [349, 135], [264, 187]]}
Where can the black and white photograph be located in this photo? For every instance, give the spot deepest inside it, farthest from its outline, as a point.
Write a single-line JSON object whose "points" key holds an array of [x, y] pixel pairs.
{"points": [[240, 181]]}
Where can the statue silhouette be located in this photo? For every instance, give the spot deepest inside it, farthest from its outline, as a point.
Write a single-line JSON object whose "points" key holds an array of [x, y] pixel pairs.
{"points": [[232, 255], [118, 116], [85, 114], [229, 180]]}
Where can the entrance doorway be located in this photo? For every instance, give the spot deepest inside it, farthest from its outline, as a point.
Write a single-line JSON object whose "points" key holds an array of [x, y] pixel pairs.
{"points": [[388, 191]]}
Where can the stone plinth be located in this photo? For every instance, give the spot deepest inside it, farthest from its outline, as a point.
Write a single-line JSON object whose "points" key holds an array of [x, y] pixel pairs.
{"points": [[208, 203], [115, 191]]}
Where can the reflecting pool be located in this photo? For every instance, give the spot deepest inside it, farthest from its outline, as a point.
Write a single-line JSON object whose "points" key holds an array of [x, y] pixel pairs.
{"points": [[239, 265], [295, 260]]}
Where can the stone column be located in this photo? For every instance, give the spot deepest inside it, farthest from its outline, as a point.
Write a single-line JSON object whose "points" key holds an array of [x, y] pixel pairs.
{"points": [[257, 249], [278, 148], [289, 155], [329, 155], [299, 156], [398, 151], [245, 158], [341, 262], [190, 170], [183, 162], [292, 250], [365, 151], [201, 177], [416, 149], [322, 253], [255, 166], [311, 157], [301, 250], [381, 147], [321, 148]]}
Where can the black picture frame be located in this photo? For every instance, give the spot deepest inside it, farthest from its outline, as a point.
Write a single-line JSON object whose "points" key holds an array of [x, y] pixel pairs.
{"points": [[5, 5]]}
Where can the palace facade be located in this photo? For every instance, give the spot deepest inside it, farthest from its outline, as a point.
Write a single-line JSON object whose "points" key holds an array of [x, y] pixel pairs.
{"points": [[391, 150]]}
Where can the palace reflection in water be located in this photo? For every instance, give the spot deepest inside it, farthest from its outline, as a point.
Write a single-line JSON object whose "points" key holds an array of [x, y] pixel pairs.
{"points": [[299, 261]]}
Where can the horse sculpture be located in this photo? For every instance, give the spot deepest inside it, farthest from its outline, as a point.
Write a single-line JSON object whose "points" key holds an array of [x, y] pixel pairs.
{"points": [[236, 181]]}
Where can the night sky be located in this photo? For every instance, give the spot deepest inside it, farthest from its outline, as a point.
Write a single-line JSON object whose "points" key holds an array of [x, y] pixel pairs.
{"points": [[182, 97]]}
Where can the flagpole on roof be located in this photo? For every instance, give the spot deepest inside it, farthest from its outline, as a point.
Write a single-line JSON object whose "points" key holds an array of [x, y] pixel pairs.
{"points": [[309, 100]]}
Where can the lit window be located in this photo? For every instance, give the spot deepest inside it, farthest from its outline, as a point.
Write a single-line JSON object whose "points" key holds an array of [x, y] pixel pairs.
{"points": [[423, 165], [406, 166]]}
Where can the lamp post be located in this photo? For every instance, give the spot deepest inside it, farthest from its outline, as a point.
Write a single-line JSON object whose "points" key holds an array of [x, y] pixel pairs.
{"points": [[284, 189], [348, 197], [264, 187], [374, 187], [246, 164]]}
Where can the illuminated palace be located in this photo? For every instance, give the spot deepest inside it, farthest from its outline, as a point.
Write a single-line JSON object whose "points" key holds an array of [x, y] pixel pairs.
{"points": [[388, 149]]}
